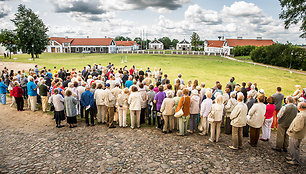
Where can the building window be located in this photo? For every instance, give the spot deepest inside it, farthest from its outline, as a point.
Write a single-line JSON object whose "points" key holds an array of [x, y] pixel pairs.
{"points": [[88, 49], [101, 49], [84, 49], [94, 50], [77, 50]]}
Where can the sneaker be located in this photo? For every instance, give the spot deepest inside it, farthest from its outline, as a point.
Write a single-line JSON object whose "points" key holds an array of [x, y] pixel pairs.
{"points": [[178, 134], [113, 126], [232, 147], [164, 132], [201, 133], [263, 139], [210, 140], [189, 131]]}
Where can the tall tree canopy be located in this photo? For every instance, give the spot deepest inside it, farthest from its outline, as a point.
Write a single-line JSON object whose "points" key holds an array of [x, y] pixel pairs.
{"points": [[166, 41], [293, 12], [31, 31], [195, 40], [174, 43], [9, 40], [122, 38]]}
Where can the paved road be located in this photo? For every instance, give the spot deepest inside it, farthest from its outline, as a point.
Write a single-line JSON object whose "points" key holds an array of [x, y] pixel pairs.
{"points": [[30, 143]]}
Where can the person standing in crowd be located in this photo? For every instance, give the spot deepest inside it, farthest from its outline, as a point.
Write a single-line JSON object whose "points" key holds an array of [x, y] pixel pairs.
{"points": [[230, 105], [129, 82], [194, 110], [255, 119], [184, 104], [58, 101], [205, 108], [144, 103], [285, 117], [215, 118], [135, 107], [122, 105], [297, 132], [150, 99], [249, 104], [101, 108], [266, 127], [279, 97], [87, 101], [43, 92], [71, 109], [36, 70], [17, 93], [3, 91], [165, 80], [158, 100], [109, 100], [244, 91], [32, 93], [168, 112], [23, 85], [177, 99], [239, 119]]}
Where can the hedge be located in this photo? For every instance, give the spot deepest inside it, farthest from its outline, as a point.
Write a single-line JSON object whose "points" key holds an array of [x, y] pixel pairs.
{"points": [[243, 50], [284, 55]]}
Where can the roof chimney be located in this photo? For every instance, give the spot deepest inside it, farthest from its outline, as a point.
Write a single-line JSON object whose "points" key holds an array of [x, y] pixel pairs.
{"points": [[105, 37], [239, 37], [87, 36], [259, 38], [66, 37]]}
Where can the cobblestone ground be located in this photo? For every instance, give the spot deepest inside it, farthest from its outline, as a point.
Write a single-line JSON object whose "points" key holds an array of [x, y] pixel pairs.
{"points": [[30, 143]]}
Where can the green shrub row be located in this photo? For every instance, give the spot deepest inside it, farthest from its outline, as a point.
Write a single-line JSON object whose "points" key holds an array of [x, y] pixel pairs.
{"points": [[243, 50], [284, 55]]}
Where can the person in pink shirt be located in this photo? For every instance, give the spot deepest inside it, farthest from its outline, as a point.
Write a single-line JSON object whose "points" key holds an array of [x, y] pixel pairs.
{"points": [[266, 127], [155, 89]]}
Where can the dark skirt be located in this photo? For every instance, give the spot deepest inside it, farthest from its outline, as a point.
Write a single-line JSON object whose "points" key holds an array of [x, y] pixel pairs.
{"points": [[59, 115], [72, 120]]}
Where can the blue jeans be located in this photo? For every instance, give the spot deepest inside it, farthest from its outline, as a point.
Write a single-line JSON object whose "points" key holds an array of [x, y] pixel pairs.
{"points": [[3, 99], [151, 114]]}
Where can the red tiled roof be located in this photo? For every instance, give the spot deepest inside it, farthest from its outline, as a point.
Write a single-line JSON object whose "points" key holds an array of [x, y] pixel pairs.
{"points": [[61, 40], [92, 41], [215, 43], [245, 42], [125, 43]]}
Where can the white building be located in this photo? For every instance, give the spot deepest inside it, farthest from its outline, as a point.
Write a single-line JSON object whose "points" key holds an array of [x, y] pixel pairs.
{"points": [[156, 45], [126, 45], [183, 45], [79, 45], [213, 46]]}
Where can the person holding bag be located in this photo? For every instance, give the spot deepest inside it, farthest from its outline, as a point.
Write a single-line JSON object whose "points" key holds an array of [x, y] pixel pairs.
{"points": [[184, 104], [229, 107]]}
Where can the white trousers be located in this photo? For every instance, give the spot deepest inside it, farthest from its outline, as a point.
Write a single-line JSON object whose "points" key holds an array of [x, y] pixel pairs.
{"points": [[203, 126], [266, 129], [32, 100], [101, 113], [122, 116]]}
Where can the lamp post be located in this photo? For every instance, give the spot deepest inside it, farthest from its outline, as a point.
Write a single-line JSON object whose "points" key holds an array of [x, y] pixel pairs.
{"points": [[33, 52]]}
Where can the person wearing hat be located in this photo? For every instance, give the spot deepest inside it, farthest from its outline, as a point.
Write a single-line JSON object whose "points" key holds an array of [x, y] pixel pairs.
{"points": [[109, 100], [43, 92], [87, 101]]}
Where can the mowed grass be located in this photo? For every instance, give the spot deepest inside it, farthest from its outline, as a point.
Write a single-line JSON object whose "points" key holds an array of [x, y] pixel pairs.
{"points": [[206, 69]]}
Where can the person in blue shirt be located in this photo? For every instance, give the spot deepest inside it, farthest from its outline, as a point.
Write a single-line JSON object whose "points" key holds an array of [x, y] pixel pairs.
{"points": [[3, 92], [36, 70], [32, 93], [129, 82], [49, 73], [87, 101]]}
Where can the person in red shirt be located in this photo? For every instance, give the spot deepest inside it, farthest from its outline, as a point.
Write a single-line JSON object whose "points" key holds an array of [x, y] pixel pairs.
{"points": [[266, 127], [17, 93]]}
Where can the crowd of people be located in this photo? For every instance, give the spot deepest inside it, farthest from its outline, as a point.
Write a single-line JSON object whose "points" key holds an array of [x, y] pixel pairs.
{"points": [[106, 94]]}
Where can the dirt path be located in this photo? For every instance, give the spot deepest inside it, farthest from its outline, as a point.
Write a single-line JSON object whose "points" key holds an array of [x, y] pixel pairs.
{"points": [[16, 66], [268, 66]]}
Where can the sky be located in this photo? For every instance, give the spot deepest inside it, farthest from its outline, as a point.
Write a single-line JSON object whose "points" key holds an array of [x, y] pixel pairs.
{"points": [[150, 19]]}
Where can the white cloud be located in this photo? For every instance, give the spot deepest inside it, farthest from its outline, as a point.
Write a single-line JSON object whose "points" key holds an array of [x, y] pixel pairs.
{"points": [[241, 9]]}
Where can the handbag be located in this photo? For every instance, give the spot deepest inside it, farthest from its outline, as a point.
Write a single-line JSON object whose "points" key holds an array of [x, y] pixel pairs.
{"points": [[52, 107], [180, 112]]}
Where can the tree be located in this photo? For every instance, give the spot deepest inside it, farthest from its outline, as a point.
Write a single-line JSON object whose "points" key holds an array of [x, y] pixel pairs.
{"points": [[174, 43], [9, 40], [294, 11], [31, 31], [195, 40], [120, 38], [166, 41]]}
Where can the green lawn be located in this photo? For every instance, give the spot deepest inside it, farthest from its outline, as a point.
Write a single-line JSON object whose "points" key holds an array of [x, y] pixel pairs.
{"points": [[206, 69]]}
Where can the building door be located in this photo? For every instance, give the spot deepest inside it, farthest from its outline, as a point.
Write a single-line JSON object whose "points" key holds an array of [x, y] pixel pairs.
{"points": [[52, 50], [66, 50]]}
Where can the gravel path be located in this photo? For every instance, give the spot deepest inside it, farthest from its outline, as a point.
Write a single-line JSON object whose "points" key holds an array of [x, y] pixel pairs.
{"points": [[30, 143]]}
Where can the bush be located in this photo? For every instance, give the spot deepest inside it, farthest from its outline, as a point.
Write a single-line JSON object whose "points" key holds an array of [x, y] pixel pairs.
{"points": [[284, 55], [243, 50]]}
